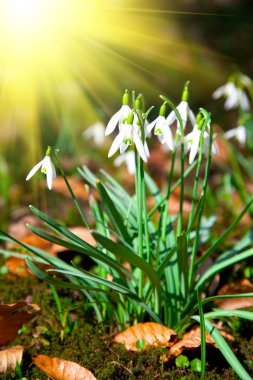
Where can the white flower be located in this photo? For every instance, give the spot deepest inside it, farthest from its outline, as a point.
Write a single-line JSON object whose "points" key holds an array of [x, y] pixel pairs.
{"points": [[120, 115], [235, 96], [128, 135], [192, 142], [47, 168], [129, 159], [185, 113], [96, 132], [162, 130], [239, 133]]}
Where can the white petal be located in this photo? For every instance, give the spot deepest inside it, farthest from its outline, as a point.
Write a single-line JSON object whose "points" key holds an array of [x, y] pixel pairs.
{"points": [[116, 144], [34, 170], [113, 122], [146, 149], [242, 135], [244, 101], [219, 92], [194, 146], [183, 110], [168, 137], [171, 118], [231, 133], [191, 117], [232, 101], [139, 146], [49, 171], [151, 125]]}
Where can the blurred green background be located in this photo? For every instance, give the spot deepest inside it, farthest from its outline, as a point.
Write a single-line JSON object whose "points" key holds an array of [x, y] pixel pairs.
{"points": [[148, 46]]}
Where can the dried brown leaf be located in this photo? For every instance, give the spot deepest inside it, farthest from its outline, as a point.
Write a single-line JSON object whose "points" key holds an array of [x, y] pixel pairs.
{"points": [[12, 317], [10, 357], [191, 341], [154, 334], [60, 369], [76, 184], [240, 287]]}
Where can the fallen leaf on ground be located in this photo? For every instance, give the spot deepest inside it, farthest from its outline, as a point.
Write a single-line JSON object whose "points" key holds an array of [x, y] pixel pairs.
{"points": [[10, 357], [12, 317], [17, 266], [76, 184], [192, 341], [60, 369], [240, 287], [154, 334]]}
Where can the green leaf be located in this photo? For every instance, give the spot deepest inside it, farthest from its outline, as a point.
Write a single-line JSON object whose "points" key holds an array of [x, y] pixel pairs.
{"points": [[131, 257], [182, 259], [141, 344], [225, 350], [182, 361], [196, 365], [113, 214], [216, 268], [84, 248]]}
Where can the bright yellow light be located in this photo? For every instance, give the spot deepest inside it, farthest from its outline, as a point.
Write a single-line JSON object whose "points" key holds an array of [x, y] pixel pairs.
{"points": [[60, 56]]}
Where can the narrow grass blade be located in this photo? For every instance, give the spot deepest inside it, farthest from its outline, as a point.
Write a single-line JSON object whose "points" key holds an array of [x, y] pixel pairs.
{"points": [[112, 212], [225, 349]]}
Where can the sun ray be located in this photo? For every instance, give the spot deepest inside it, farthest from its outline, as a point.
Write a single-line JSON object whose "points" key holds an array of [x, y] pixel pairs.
{"points": [[67, 58]]}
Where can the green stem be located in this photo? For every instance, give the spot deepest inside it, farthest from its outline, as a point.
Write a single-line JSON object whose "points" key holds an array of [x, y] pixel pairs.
{"points": [[71, 191], [238, 178], [177, 183], [207, 170], [138, 184]]}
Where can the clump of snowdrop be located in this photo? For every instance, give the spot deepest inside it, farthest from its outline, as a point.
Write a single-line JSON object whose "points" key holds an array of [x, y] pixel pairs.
{"points": [[236, 92], [47, 168], [96, 132], [184, 110], [193, 140]]}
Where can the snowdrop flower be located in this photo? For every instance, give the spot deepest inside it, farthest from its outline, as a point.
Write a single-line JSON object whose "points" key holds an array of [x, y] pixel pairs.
{"points": [[120, 115], [192, 142], [47, 168], [162, 129], [128, 135], [96, 132], [239, 133], [235, 96], [184, 111], [129, 159]]}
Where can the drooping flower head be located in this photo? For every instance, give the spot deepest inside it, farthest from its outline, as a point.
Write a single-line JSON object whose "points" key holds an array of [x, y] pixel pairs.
{"points": [[120, 115], [129, 134], [47, 168], [184, 111], [239, 133], [236, 92], [96, 132], [161, 128], [192, 140]]}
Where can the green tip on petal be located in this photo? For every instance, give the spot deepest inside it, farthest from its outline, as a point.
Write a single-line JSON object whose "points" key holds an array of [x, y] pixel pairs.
{"points": [[185, 94], [48, 151], [162, 111], [126, 99]]}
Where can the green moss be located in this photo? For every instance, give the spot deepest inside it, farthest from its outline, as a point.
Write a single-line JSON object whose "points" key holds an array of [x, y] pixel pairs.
{"points": [[90, 345]]}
